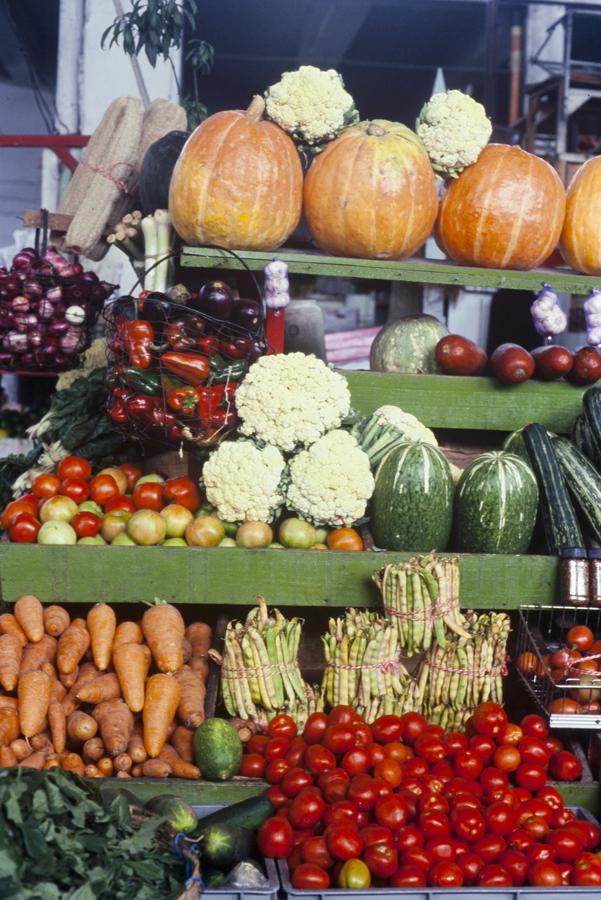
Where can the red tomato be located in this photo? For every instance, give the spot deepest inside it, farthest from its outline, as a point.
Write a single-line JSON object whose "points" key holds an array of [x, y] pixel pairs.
{"points": [[588, 832], [318, 759], [441, 848], [493, 779], [24, 529], [566, 843], [332, 775], [390, 771], [550, 796], [494, 875], [342, 715], [342, 811], [275, 838], [430, 802], [489, 847], [257, 743], [295, 753], [538, 852], [532, 750], [471, 865], [127, 505], [562, 817], [16, 507], [45, 485], [501, 818], [315, 727], [544, 874], [566, 871], [391, 812], [507, 757], [536, 826], [362, 734], [434, 825], [415, 768], [414, 724], [184, 491], [430, 748], [489, 719], [344, 841], [535, 726], [376, 754], [387, 729], [275, 748], [335, 790], [295, 780], [74, 467], [521, 795], [445, 874], [534, 807], [511, 734], [460, 786], [533, 778], [565, 766], [586, 871], [408, 838], [252, 766], [399, 751], [148, 495], [408, 876], [308, 877], [338, 738], [275, 769], [104, 488], [518, 839], [417, 856], [381, 859], [274, 793], [581, 637], [468, 764], [132, 472], [455, 742], [314, 850], [307, 808], [516, 863], [483, 746], [410, 799], [356, 761], [468, 824], [364, 791], [76, 489], [376, 834]]}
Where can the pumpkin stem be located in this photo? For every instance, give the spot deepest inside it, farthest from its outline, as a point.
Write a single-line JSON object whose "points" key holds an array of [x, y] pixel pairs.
{"points": [[376, 130], [257, 108]]}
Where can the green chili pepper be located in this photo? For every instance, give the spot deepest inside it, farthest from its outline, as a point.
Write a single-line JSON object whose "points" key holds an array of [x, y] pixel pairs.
{"points": [[222, 370], [142, 380]]}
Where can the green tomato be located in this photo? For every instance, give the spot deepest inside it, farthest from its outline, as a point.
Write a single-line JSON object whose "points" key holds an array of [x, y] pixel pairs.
{"points": [[174, 542], [90, 506], [230, 529], [95, 541], [297, 534], [56, 532], [58, 508], [153, 477], [355, 875], [122, 540], [147, 527], [176, 518], [205, 531], [254, 534], [112, 525], [227, 542], [205, 510], [276, 546], [321, 535]]}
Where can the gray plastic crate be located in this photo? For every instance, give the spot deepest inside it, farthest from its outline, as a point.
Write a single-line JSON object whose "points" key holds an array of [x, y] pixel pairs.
{"points": [[431, 893], [229, 893]]}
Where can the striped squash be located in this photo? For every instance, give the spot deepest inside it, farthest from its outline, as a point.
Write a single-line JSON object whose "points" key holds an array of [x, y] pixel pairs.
{"points": [[583, 480], [506, 211], [581, 236], [495, 505], [412, 503]]}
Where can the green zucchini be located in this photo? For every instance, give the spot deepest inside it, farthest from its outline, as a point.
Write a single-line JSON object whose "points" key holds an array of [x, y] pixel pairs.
{"points": [[558, 514], [583, 481], [179, 814], [250, 813], [221, 846], [591, 405]]}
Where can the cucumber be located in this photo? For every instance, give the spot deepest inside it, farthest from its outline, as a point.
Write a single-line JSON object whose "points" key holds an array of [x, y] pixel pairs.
{"points": [[179, 814], [221, 846], [591, 405], [557, 512], [250, 813], [583, 481], [217, 750]]}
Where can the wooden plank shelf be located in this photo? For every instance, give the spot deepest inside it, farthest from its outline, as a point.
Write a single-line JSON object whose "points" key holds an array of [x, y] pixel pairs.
{"points": [[421, 271], [234, 577]]}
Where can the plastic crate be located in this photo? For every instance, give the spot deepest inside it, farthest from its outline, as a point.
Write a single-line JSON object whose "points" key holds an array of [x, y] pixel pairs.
{"points": [[431, 893], [229, 893]]}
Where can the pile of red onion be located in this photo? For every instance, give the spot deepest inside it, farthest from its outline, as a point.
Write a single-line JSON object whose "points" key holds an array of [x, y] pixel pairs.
{"points": [[48, 307]]}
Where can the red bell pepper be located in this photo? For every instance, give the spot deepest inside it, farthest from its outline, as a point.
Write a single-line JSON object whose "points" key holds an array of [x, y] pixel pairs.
{"points": [[139, 407], [117, 412], [192, 368], [208, 344], [177, 334], [184, 399], [139, 336]]}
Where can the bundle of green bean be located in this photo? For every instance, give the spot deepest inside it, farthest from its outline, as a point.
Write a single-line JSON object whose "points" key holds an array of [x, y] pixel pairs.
{"points": [[422, 597], [363, 667], [260, 676], [454, 679]]}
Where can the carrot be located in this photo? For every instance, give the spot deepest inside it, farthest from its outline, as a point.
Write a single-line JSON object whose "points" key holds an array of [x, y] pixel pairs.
{"points": [[7, 757], [81, 726], [8, 702], [11, 651], [186, 650], [20, 748], [34, 692], [58, 724], [156, 768], [9, 725], [181, 740], [92, 771], [122, 763], [127, 633], [102, 623], [9, 625], [52, 762], [164, 631], [131, 662], [87, 673], [180, 768], [42, 741], [116, 724], [136, 749], [59, 691], [136, 771], [68, 680], [35, 655], [72, 645], [72, 762], [29, 613], [105, 687], [49, 669], [93, 750], [35, 760], [56, 620], [160, 705], [122, 774], [105, 766], [191, 709], [200, 636]]}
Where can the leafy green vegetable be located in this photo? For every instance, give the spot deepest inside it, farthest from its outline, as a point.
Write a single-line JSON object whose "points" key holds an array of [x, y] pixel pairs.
{"points": [[59, 842]]}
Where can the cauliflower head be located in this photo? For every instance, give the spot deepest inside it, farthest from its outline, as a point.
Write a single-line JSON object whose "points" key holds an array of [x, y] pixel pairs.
{"points": [[331, 482], [245, 483], [405, 422], [312, 105], [290, 400], [454, 129]]}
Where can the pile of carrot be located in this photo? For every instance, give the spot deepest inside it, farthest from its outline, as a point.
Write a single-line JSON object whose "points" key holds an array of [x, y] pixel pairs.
{"points": [[101, 698]]}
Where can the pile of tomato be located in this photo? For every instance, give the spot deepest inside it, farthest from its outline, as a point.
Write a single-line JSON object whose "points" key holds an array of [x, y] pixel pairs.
{"points": [[404, 804]]}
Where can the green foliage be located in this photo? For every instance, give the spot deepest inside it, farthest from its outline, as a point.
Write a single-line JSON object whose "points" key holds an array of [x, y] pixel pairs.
{"points": [[156, 27]]}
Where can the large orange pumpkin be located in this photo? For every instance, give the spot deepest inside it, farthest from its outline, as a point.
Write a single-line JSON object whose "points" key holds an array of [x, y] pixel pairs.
{"points": [[237, 183], [581, 236], [505, 211], [371, 193]]}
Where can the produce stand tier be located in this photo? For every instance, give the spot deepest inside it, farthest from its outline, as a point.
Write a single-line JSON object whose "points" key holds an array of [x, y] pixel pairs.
{"points": [[229, 577], [419, 271]]}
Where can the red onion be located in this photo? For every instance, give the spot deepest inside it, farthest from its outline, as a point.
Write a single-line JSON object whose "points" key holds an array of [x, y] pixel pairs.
{"points": [[75, 315], [90, 277], [77, 268], [5, 360], [45, 310], [70, 340], [58, 328], [6, 319], [41, 267], [48, 351], [17, 343], [20, 322], [33, 289], [60, 310], [28, 360], [35, 336], [13, 285], [54, 294], [19, 304], [22, 261]]}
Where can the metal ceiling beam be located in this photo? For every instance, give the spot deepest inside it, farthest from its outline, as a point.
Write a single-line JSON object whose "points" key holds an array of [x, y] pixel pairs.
{"points": [[331, 31]]}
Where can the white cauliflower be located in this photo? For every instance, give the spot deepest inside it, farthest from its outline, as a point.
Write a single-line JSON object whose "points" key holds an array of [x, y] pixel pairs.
{"points": [[245, 483], [386, 428], [454, 129], [93, 358], [311, 105], [290, 400], [331, 482]]}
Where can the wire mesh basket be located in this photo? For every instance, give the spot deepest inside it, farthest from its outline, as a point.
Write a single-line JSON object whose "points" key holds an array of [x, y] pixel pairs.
{"points": [[564, 682]]}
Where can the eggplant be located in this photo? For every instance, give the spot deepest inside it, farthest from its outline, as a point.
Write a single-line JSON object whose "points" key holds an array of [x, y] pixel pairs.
{"points": [[215, 299], [248, 314], [156, 169]]}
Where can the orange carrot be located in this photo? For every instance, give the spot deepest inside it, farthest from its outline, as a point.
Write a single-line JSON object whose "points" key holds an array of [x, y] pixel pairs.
{"points": [[105, 766], [200, 636], [72, 762], [93, 750], [160, 706], [179, 767], [8, 702], [127, 633], [34, 691], [136, 749], [181, 740], [42, 742], [102, 623], [105, 687], [116, 724], [11, 651], [136, 771], [7, 757], [9, 625], [186, 650], [72, 645], [52, 762], [58, 725], [87, 673], [164, 631], [191, 709], [9, 725], [49, 669], [35, 655], [156, 768], [122, 763], [81, 726], [92, 771], [20, 748], [56, 620], [35, 760], [68, 680], [59, 692], [131, 662], [29, 613], [123, 774]]}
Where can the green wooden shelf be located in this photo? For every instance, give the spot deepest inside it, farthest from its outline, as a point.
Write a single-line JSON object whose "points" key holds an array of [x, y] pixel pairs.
{"points": [[234, 577], [423, 271]]}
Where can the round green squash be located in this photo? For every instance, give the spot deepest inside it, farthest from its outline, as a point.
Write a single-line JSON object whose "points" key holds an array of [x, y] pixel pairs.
{"points": [[217, 750], [412, 503], [407, 346], [495, 505]]}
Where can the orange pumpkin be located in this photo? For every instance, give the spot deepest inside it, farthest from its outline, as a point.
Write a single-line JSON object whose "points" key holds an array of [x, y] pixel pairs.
{"points": [[581, 238], [237, 183], [505, 211], [371, 193]]}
